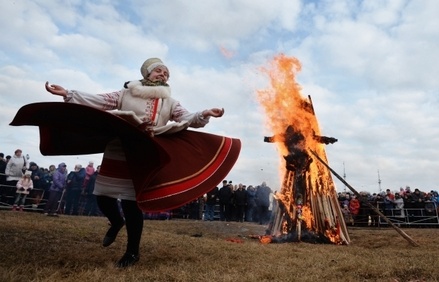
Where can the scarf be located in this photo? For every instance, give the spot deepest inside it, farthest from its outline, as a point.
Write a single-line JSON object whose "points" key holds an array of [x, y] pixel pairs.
{"points": [[147, 82]]}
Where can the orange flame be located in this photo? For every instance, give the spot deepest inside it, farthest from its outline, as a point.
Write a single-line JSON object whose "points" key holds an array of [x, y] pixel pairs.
{"points": [[285, 106]]}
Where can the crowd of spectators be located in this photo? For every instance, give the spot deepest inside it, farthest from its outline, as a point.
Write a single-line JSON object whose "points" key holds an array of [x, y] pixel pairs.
{"points": [[73, 195], [230, 202], [57, 190], [401, 203]]}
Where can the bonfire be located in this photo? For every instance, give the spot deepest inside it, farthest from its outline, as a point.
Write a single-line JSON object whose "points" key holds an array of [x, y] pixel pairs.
{"points": [[306, 208]]}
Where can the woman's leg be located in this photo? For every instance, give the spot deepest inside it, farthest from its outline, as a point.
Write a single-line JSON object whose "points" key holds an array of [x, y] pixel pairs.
{"points": [[110, 209], [134, 226]]}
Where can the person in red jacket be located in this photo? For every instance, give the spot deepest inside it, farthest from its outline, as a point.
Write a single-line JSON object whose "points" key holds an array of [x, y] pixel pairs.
{"points": [[354, 206]]}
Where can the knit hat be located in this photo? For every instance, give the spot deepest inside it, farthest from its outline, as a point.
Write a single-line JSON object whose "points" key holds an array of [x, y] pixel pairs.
{"points": [[28, 173], [149, 65]]}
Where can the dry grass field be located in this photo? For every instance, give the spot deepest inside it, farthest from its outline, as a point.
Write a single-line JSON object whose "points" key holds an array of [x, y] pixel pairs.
{"points": [[38, 248]]}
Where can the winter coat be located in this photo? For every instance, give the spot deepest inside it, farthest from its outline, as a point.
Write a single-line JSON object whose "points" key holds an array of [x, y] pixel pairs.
{"points": [[14, 168], [91, 184], [354, 206], [58, 179], [263, 195], [418, 196], [399, 202], [225, 195], [251, 197], [75, 179], [2, 171], [24, 185], [240, 197], [89, 171], [211, 196], [37, 175]]}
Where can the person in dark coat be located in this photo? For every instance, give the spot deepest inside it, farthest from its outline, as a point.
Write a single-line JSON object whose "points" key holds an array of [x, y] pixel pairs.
{"points": [[240, 199], [210, 203], [91, 206], [75, 179], [263, 202], [251, 204], [2, 177], [2, 169], [225, 196], [36, 175]]}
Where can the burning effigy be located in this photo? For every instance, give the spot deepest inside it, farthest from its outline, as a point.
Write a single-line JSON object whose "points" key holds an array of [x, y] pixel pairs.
{"points": [[306, 209]]}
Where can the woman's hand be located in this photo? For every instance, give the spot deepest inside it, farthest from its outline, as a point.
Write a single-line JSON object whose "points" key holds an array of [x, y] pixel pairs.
{"points": [[214, 112], [56, 89]]}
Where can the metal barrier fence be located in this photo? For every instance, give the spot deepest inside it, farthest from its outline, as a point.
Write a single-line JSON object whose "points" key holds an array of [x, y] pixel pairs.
{"points": [[426, 215], [35, 201]]}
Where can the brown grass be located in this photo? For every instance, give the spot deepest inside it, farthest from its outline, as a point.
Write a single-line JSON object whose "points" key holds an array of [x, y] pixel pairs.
{"points": [[38, 248]]}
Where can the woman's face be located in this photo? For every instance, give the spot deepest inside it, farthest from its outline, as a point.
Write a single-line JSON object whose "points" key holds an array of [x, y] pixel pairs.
{"points": [[160, 73]]}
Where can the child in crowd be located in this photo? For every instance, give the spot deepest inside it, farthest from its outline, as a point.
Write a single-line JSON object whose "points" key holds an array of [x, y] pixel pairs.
{"points": [[24, 185]]}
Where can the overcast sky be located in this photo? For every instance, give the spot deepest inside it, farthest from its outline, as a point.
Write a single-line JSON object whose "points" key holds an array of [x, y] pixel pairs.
{"points": [[371, 68]]}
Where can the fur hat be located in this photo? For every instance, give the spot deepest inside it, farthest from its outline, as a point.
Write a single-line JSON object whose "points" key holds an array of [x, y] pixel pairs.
{"points": [[149, 65], [28, 173]]}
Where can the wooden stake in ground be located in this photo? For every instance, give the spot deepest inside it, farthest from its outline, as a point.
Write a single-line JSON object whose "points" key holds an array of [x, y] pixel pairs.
{"points": [[402, 233]]}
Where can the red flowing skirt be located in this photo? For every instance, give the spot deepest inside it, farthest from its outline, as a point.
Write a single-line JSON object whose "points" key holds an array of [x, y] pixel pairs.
{"points": [[167, 170]]}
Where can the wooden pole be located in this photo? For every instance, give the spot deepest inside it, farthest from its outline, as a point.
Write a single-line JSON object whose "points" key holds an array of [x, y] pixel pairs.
{"points": [[401, 232]]}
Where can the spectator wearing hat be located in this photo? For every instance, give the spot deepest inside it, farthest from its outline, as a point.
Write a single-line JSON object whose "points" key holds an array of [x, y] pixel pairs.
{"points": [[15, 167], [399, 205], [225, 196], [89, 171], [37, 175], [388, 202], [418, 198], [56, 190], [13, 171], [91, 208], [418, 201], [354, 207], [24, 185]]}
